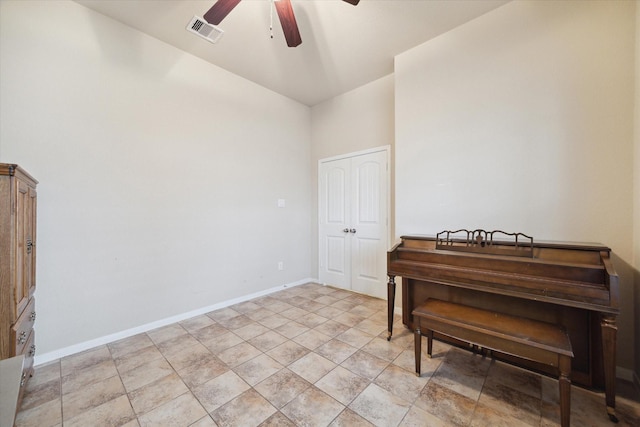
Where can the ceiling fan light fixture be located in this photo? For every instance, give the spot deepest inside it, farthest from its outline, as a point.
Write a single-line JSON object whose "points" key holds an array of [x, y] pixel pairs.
{"points": [[202, 28]]}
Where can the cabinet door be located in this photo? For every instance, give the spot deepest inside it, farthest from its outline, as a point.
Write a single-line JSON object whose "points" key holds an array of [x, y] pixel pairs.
{"points": [[31, 242], [24, 247]]}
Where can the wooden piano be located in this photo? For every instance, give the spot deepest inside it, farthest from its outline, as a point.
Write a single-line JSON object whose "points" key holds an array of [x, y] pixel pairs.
{"points": [[571, 284]]}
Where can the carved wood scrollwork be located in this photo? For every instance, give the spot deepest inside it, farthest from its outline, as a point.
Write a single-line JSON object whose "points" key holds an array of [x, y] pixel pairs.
{"points": [[496, 242]]}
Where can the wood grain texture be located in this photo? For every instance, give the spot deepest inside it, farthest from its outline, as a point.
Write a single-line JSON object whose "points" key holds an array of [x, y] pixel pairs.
{"points": [[288, 22], [219, 11]]}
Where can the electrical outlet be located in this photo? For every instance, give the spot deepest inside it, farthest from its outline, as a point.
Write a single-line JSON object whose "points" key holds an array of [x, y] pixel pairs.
{"points": [[280, 265]]}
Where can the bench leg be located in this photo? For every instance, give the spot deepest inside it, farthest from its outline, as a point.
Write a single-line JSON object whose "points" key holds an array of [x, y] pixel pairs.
{"points": [[418, 349], [564, 366], [609, 332]]}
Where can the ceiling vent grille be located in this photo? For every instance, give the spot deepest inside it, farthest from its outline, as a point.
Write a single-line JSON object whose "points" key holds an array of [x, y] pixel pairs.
{"points": [[205, 30]]}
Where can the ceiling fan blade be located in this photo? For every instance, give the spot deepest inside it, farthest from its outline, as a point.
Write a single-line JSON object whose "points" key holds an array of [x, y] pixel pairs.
{"points": [[288, 22], [219, 11], [353, 2]]}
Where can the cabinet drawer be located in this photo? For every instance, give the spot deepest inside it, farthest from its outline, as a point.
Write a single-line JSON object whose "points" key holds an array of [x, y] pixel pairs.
{"points": [[29, 354], [27, 367], [21, 330]]}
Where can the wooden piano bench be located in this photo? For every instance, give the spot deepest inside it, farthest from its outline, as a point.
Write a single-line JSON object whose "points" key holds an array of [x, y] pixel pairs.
{"points": [[529, 339]]}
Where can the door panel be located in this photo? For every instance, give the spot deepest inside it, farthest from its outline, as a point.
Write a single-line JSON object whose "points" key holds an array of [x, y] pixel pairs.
{"points": [[367, 260], [336, 254], [336, 199]]}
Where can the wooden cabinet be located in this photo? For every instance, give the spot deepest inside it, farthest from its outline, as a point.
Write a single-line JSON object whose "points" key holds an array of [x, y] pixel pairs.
{"points": [[17, 265]]}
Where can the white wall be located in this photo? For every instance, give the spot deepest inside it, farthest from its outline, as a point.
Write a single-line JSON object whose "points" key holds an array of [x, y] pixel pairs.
{"points": [[636, 198], [159, 173], [357, 120], [522, 120]]}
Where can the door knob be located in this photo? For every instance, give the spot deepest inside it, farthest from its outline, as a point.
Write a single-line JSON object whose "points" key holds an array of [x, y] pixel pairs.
{"points": [[346, 230], [352, 230]]}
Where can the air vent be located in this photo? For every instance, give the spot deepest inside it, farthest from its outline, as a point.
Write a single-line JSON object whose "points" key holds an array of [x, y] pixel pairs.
{"points": [[205, 30]]}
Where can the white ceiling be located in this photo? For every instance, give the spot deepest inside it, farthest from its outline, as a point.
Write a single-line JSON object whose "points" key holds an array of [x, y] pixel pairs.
{"points": [[343, 46]]}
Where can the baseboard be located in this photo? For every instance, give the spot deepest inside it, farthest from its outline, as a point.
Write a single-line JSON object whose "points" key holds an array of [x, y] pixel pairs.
{"points": [[625, 374], [631, 377], [77, 348]]}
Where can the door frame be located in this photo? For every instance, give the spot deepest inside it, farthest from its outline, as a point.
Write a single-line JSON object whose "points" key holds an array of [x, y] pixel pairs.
{"points": [[384, 148]]}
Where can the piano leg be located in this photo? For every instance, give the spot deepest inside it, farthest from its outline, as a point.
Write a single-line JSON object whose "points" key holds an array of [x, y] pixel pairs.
{"points": [[391, 302], [609, 333]]}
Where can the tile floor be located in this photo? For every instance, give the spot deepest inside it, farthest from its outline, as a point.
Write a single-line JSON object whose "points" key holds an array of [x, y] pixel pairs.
{"points": [[306, 356]]}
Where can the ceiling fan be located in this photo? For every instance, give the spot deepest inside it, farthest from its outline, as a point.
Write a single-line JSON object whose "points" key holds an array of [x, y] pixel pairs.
{"points": [[221, 9]]}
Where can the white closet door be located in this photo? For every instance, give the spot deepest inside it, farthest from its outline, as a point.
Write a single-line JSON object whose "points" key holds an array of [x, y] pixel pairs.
{"points": [[353, 223], [334, 217], [369, 224]]}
